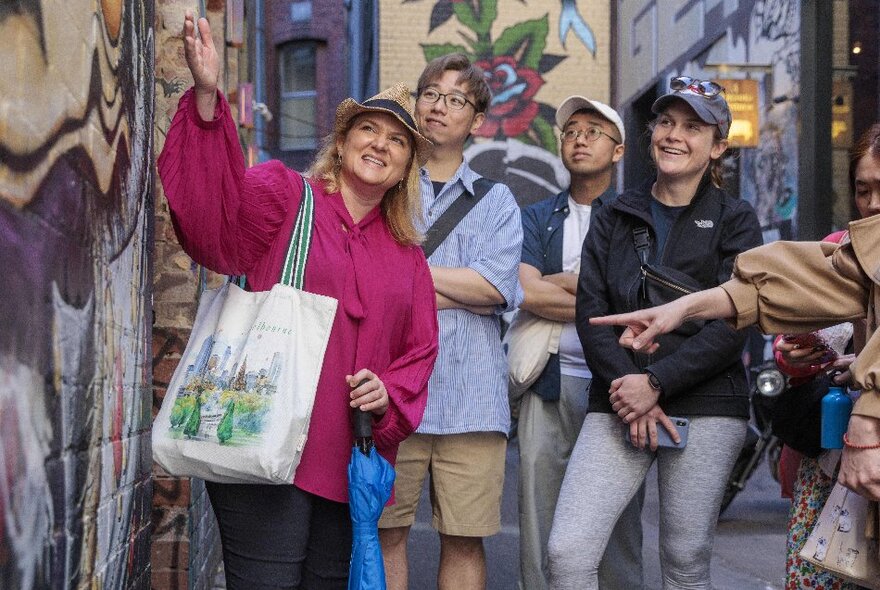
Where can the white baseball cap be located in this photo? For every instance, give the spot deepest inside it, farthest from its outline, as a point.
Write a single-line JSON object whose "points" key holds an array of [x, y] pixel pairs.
{"points": [[576, 103]]}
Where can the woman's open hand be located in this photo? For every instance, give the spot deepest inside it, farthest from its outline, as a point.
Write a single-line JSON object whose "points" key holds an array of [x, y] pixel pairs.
{"points": [[203, 62], [860, 468], [368, 392]]}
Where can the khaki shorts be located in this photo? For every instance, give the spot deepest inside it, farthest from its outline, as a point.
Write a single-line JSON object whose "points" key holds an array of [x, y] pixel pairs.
{"points": [[467, 477]]}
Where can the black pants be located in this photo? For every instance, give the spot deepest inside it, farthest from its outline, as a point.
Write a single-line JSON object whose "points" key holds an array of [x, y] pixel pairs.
{"points": [[277, 536]]}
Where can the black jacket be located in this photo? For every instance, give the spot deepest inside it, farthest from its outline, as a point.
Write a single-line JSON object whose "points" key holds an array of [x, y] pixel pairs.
{"points": [[701, 373]]}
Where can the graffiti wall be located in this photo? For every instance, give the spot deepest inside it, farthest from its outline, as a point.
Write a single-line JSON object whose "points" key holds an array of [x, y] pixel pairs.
{"points": [[767, 36], [534, 53], [770, 171], [75, 225]]}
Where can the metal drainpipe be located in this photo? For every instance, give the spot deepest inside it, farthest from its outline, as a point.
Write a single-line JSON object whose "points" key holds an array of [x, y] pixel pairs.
{"points": [[355, 49], [259, 81]]}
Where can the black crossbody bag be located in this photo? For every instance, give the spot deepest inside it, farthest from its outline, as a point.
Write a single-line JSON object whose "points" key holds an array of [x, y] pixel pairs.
{"points": [[660, 284]]}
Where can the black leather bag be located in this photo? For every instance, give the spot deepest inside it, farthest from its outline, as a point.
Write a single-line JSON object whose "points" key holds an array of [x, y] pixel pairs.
{"points": [[797, 415]]}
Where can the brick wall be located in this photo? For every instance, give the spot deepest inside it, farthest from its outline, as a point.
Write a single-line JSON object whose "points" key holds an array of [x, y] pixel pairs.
{"points": [[186, 547]]}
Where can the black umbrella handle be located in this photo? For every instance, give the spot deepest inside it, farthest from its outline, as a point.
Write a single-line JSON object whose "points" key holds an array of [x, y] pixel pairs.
{"points": [[363, 427], [363, 424]]}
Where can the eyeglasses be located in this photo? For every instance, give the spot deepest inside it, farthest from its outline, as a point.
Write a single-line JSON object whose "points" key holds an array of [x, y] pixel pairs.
{"points": [[706, 88], [452, 100], [590, 135]]}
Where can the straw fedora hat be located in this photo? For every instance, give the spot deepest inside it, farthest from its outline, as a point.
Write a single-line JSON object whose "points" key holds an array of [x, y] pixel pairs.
{"points": [[395, 101]]}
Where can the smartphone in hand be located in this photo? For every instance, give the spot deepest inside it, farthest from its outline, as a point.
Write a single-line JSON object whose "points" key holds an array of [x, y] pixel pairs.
{"points": [[664, 439], [812, 340]]}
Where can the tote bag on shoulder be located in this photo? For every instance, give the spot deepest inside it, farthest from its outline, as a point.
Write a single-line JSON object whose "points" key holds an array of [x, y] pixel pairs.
{"points": [[237, 409]]}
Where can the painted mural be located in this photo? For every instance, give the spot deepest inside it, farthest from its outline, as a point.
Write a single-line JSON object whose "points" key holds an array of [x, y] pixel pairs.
{"points": [[770, 171], [75, 208], [534, 55]]}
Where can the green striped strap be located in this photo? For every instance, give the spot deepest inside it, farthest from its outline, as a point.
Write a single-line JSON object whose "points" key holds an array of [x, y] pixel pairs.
{"points": [[294, 272]]}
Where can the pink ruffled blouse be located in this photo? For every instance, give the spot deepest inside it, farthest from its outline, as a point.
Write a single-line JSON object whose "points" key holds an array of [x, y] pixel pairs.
{"points": [[236, 221]]}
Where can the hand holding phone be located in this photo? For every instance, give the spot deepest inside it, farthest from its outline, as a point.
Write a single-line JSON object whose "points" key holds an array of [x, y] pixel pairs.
{"points": [[813, 341], [664, 439]]}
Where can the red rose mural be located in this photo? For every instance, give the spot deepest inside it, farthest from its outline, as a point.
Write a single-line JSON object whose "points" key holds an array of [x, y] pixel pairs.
{"points": [[513, 85]]}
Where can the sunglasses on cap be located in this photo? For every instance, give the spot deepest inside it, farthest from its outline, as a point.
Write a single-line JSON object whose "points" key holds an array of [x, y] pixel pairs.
{"points": [[706, 88]]}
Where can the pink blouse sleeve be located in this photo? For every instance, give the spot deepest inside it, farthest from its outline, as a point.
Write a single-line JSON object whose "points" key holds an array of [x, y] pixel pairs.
{"points": [[406, 379], [225, 217]]}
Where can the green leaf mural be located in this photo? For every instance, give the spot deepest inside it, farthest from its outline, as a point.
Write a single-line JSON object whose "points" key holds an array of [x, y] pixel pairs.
{"points": [[432, 51], [478, 16], [524, 41]]}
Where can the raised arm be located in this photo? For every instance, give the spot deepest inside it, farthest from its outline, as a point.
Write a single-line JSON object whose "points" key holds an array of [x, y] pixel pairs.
{"points": [[225, 216]]}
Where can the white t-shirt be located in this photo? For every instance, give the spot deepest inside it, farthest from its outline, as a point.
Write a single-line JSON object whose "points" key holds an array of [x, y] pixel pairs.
{"points": [[574, 230]]}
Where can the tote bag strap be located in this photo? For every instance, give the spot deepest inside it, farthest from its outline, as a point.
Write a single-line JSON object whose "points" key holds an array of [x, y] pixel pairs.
{"points": [[294, 271]]}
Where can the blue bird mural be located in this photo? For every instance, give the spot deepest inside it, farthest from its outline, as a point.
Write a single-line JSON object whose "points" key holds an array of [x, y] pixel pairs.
{"points": [[570, 19]]}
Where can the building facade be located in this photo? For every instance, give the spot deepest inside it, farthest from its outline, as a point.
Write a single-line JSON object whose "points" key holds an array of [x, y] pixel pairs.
{"points": [[307, 53], [796, 62]]}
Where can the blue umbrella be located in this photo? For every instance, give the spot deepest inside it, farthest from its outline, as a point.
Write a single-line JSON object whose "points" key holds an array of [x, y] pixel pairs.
{"points": [[370, 479]]}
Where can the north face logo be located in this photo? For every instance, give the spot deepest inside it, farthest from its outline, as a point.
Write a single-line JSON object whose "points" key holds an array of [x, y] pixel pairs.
{"points": [[704, 223]]}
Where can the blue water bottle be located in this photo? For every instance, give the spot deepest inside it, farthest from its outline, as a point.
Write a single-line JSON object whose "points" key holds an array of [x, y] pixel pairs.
{"points": [[836, 408]]}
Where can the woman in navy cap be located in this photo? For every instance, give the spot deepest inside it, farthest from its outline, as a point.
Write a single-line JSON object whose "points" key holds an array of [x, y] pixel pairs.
{"points": [[678, 232]]}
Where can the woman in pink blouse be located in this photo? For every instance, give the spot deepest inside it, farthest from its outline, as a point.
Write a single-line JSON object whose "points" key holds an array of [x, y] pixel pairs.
{"points": [[364, 253]]}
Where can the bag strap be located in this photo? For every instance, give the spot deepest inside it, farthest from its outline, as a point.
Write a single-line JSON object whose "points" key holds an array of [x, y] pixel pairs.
{"points": [[294, 271], [642, 243], [441, 228]]}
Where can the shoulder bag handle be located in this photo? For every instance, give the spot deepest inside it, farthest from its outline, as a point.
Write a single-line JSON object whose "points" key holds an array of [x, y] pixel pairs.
{"points": [[294, 271]]}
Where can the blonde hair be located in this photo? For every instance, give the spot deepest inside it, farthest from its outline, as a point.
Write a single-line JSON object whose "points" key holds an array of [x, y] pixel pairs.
{"points": [[401, 204]]}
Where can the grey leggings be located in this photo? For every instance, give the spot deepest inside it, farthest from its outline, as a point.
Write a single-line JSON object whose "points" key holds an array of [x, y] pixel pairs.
{"points": [[604, 473]]}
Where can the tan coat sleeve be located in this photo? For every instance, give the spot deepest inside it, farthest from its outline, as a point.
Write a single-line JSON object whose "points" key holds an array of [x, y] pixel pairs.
{"points": [[866, 373], [865, 238], [792, 287]]}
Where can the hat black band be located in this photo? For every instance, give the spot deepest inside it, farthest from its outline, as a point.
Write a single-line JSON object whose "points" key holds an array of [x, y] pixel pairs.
{"points": [[390, 105]]}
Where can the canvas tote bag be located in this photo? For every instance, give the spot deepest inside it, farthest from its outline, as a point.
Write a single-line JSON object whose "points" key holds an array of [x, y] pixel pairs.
{"points": [[238, 406], [844, 540]]}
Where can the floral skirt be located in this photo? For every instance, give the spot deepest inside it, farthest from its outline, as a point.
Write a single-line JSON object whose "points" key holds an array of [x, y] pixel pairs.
{"points": [[811, 489]]}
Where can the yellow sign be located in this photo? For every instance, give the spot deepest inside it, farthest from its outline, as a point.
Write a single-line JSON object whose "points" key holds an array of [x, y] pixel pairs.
{"points": [[742, 97], [841, 114]]}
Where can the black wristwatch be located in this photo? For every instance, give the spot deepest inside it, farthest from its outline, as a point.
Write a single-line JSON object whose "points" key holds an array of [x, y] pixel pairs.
{"points": [[654, 382]]}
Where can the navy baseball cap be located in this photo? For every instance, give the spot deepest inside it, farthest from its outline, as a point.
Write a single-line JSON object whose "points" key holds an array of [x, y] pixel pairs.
{"points": [[710, 109]]}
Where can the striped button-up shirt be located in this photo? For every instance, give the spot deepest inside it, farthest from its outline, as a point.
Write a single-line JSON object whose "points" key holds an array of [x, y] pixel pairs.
{"points": [[468, 390]]}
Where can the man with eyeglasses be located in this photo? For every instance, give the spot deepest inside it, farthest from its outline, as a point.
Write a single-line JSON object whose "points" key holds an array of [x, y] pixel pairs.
{"points": [[462, 439], [552, 410]]}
